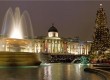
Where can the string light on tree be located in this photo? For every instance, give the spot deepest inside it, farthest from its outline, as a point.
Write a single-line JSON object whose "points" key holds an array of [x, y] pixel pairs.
{"points": [[101, 35]]}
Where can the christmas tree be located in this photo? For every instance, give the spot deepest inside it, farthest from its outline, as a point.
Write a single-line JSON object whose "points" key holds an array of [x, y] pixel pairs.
{"points": [[101, 35]]}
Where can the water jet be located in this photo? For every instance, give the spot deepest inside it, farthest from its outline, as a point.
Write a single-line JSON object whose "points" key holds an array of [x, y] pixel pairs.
{"points": [[16, 41]]}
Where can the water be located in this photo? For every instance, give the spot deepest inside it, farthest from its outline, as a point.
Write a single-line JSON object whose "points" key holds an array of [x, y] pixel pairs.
{"points": [[17, 32], [55, 71], [17, 25]]}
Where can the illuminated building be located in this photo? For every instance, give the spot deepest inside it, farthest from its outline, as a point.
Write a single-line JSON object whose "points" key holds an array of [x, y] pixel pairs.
{"points": [[57, 45], [52, 43]]}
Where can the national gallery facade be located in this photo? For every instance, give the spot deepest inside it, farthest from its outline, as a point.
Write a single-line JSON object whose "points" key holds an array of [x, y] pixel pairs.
{"points": [[57, 45]]}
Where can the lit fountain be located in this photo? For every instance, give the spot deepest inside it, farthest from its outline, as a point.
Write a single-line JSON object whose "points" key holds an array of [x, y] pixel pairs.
{"points": [[16, 41]]}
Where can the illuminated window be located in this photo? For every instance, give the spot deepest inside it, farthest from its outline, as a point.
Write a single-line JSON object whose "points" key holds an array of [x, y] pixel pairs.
{"points": [[53, 34]]}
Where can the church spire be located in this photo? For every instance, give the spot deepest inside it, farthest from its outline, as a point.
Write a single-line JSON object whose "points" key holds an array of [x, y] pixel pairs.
{"points": [[101, 19]]}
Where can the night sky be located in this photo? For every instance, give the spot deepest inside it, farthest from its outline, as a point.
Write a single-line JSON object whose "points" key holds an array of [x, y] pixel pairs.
{"points": [[71, 18]]}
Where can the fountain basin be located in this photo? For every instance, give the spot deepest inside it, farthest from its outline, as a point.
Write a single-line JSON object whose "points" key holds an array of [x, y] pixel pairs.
{"points": [[17, 45], [19, 59]]}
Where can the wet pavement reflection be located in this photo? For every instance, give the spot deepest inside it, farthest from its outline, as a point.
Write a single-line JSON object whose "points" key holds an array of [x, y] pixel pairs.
{"points": [[54, 71]]}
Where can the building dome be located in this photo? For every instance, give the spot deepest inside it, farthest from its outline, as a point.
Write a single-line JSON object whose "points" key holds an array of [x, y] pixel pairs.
{"points": [[52, 29], [52, 32]]}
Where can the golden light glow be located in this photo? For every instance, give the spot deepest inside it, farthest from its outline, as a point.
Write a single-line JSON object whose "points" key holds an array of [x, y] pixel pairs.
{"points": [[17, 41], [100, 5], [16, 31]]}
